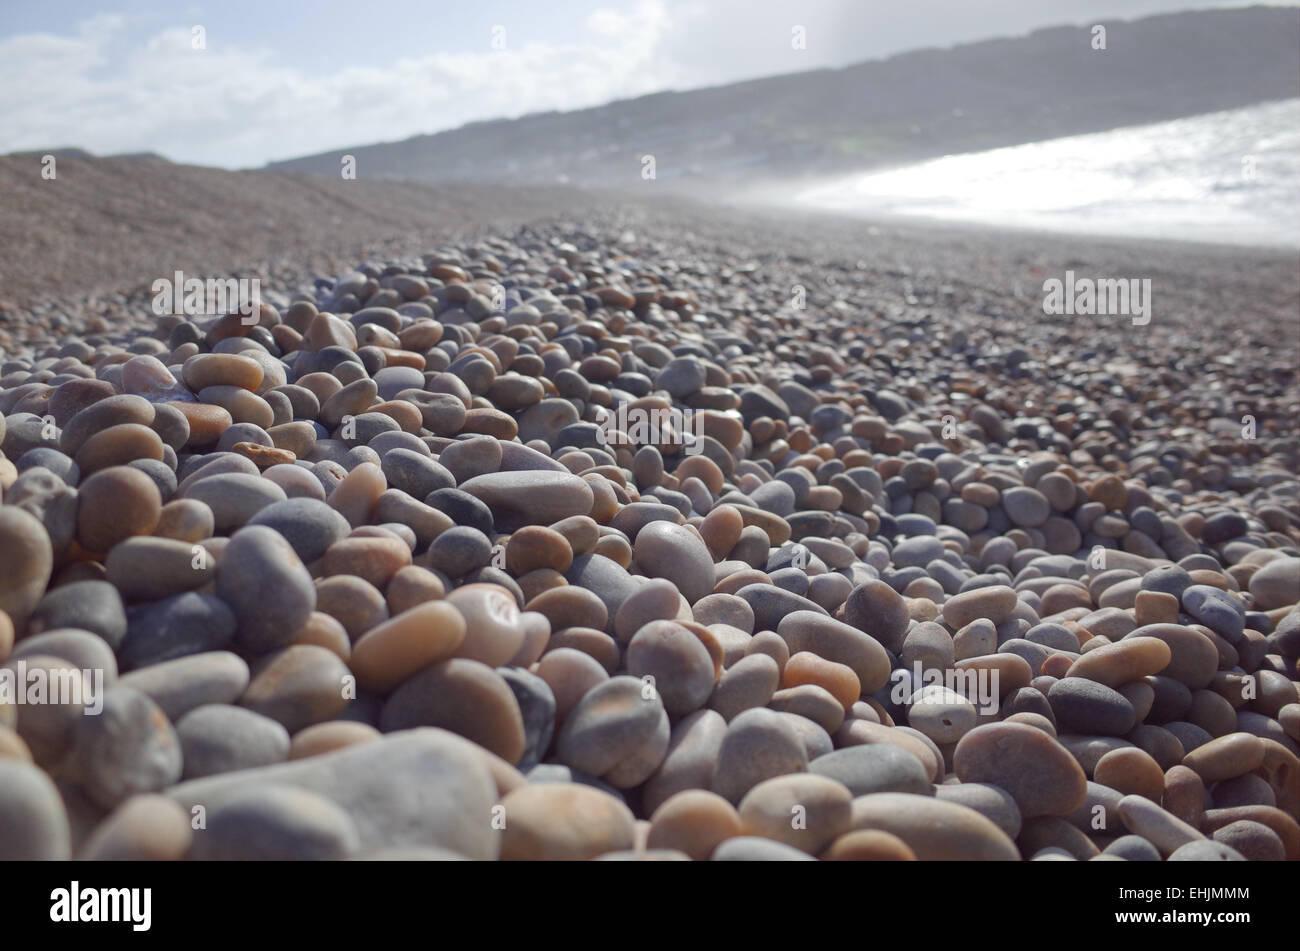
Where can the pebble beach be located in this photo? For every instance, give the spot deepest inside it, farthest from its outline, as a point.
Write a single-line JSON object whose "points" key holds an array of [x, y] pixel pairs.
{"points": [[672, 533]]}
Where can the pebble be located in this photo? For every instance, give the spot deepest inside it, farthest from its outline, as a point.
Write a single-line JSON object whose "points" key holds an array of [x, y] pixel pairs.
{"points": [[840, 643], [179, 686], [297, 686], [113, 504], [759, 744], [150, 569], [1165, 831], [32, 815], [129, 748], [493, 625], [267, 588], [806, 811], [1226, 757], [1040, 774], [566, 822], [674, 661], [695, 822], [874, 768], [618, 732], [934, 829], [308, 525], [275, 823], [530, 497], [464, 696], [690, 761], [94, 606], [220, 738], [145, 828], [390, 652]]}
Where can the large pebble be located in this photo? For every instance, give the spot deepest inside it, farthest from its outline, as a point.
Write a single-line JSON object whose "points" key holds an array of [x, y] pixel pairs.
{"points": [[266, 586], [1040, 774]]}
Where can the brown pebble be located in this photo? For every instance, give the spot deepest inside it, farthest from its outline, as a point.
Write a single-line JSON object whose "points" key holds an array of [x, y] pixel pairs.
{"points": [[1130, 770], [868, 845], [388, 654], [114, 504], [331, 736], [535, 546], [694, 821]]}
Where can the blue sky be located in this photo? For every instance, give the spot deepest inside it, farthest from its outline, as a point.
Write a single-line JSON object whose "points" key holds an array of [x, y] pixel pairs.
{"points": [[278, 79]]}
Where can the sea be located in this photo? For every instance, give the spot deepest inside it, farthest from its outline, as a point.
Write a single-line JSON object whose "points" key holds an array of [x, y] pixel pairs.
{"points": [[1229, 177]]}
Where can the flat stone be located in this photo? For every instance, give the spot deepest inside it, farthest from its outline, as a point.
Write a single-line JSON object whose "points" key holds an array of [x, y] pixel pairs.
{"points": [[411, 788], [178, 686], [220, 738], [934, 829], [530, 497], [1040, 774]]}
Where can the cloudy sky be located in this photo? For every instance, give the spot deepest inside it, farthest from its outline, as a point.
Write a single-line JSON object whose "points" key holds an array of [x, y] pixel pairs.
{"points": [[237, 83]]}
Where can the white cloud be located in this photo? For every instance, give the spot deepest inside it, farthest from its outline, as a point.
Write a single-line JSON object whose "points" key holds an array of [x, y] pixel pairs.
{"points": [[234, 104]]}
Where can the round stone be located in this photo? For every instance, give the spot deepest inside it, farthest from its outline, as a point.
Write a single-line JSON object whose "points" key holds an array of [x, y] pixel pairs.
{"points": [[150, 569], [759, 744], [1226, 757], [995, 603], [692, 754], [1040, 774], [233, 497], [665, 550], [878, 610], [93, 606], [145, 828], [618, 732], [463, 696], [694, 821], [1131, 771], [564, 822], [266, 586], [674, 661], [308, 525], [493, 625], [748, 683], [805, 811], [1117, 664], [113, 504], [179, 686], [531, 496], [1085, 706]]}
